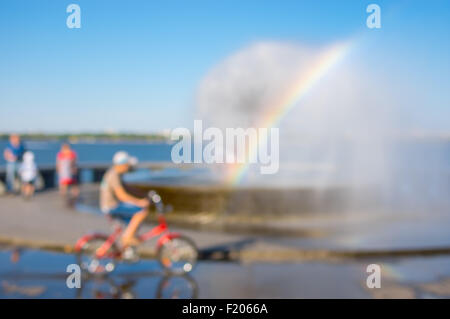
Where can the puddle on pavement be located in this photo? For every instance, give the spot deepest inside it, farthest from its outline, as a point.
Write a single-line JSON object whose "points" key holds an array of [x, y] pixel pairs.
{"points": [[42, 274]]}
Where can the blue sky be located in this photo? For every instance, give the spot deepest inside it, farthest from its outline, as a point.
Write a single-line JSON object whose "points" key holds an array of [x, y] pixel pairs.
{"points": [[135, 65]]}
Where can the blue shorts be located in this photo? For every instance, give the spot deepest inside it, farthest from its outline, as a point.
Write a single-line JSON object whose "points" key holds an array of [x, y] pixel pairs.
{"points": [[124, 211]]}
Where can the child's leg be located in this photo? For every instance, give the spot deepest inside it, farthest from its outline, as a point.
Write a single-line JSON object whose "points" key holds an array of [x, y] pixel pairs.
{"points": [[27, 189], [62, 189], [129, 234], [75, 191], [31, 190]]}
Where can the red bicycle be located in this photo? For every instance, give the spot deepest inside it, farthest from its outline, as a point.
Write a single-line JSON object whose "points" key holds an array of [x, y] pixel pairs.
{"points": [[99, 253]]}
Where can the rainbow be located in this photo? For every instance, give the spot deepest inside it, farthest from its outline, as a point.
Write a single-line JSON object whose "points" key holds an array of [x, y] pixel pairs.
{"points": [[293, 95]]}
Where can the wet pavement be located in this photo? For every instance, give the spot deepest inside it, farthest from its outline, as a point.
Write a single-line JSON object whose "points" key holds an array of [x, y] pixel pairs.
{"points": [[371, 231], [42, 274], [234, 265], [45, 222]]}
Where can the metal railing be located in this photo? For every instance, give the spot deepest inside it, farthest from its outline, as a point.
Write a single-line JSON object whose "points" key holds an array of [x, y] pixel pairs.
{"points": [[95, 170]]}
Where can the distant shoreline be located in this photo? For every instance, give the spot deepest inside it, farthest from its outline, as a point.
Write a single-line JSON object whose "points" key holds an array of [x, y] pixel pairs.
{"points": [[160, 137], [92, 137]]}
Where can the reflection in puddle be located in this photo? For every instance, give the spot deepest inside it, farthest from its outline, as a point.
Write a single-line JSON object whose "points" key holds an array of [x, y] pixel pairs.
{"points": [[42, 274], [29, 291], [39, 274], [415, 278], [124, 287]]}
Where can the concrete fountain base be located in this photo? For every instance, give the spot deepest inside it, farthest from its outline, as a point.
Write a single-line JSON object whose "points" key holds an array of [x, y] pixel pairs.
{"points": [[260, 201]]}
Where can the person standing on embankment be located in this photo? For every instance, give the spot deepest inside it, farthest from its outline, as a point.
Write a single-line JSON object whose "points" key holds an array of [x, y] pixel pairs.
{"points": [[13, 154]]}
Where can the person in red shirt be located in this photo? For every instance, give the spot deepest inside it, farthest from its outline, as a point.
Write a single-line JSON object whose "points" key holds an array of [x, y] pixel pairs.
{"points": [[66, 167]]}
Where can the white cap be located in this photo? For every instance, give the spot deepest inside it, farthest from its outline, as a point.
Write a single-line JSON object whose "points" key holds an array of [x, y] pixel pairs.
{"points": [[28, 156], [123, 157]]}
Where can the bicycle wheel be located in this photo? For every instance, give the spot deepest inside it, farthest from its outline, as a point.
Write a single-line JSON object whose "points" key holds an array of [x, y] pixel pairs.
{"points": [[177, 287], [89, 261], [178, 254]]}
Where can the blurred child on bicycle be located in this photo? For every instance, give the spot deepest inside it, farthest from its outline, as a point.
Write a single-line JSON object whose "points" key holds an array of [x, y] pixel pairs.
{"points": [[117, 202]]}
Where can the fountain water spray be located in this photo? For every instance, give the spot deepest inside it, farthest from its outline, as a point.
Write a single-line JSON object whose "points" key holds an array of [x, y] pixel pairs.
{"points": [[338, 124]]}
